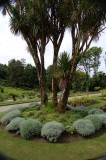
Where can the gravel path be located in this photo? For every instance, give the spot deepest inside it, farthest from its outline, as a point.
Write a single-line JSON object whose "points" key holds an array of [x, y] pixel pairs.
{"points": [[6, 108]]}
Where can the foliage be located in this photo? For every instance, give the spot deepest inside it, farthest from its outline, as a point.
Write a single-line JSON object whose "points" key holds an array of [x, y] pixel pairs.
{"points": [[63, 68], [34, 105], [66, 118], [20, 108], [30, 128], [95, 111], [81, 109], [52, 131], [9, 116], [95, 120], [81, 101], [102, 118], [49, 108], [84, 127], [14, 125]]}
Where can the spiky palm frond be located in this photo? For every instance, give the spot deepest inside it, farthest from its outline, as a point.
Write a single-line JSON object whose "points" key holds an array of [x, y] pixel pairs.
{"points": [[63, 69]]}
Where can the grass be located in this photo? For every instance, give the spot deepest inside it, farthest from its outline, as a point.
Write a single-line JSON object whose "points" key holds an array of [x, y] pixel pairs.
{"points": [[18, 149], [21, 95]]}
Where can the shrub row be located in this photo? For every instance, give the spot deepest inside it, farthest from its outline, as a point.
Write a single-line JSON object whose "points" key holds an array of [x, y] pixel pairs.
{"points": [[89, 124]]}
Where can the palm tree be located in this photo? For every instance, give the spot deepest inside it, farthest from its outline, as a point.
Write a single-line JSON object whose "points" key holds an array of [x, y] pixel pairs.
{"points": [[28, 18], [62, 73], [87, 21]]}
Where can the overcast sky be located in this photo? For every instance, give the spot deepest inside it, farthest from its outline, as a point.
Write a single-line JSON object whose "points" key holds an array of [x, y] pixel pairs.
{"points": [[14, 47]]}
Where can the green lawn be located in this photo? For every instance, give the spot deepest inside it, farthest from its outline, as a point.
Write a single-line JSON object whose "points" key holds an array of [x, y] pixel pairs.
{"points": [[19, 149]]}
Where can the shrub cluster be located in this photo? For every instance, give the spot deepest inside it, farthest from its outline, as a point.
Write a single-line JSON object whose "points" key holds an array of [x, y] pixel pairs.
{"points": [[34, 105], [30, 128], [9, 116], [14, 125], [102, 118], [52, 131], [80, 109], [96, 111], [84, 127], [95, 120], [20, 108]]}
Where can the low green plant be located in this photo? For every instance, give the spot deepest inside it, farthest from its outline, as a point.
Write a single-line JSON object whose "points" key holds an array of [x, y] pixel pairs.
{"points": [[96, 111], [81, 109], [20, 108], [84, 127], [14, 125], [30, 128], [6, 119], [103, 119], [49, 108], [81, 101], [52, 131], [95, 120]]}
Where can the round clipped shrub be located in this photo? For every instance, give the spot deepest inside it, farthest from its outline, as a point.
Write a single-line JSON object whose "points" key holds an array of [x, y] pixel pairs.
{"points": [[9, 116], [96, 111], [84, 127], [103, 119], [34, 105], [83, 110], [52, 131], [30, 128], [95, 120], [20, 108], [14, 125]]}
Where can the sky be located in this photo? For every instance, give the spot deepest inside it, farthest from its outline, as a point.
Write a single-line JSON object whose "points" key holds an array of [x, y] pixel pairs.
{"points": [[14, 47]]}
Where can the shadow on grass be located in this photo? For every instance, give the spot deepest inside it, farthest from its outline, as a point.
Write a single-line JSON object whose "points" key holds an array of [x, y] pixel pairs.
{"points": [[3, 157]]}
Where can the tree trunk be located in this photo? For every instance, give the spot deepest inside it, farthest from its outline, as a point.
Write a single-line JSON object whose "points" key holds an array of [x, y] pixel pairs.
{"points": [[54, 80], [44, 97], [62, 105]]}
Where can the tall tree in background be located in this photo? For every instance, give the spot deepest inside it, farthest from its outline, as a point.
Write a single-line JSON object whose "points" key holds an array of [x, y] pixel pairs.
{"points": [[91, 62]]}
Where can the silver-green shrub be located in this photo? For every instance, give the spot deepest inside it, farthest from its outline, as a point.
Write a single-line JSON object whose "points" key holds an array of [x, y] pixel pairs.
{"points": [[103, 119], [81, 109], [84, 127], [95, 120], [20, 108], [34, 105], [96, 111], [14, 125], [30, 128], [52, 131], [9, 116]]}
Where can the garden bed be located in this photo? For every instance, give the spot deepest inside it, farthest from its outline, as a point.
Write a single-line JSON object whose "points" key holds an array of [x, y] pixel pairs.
{"points": [[64, 138]]}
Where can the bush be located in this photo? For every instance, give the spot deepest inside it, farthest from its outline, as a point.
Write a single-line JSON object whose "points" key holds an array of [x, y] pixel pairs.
{"points": [[30, 128], [34, 105], [95, 120], [80, 109], [103, 118], [95, 111], [52, 131], [9, 116], [84, 127], [20, 108], [1, 98], [14, 125]]}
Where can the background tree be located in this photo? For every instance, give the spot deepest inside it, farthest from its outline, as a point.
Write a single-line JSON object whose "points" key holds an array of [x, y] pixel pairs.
{"points": [[15, 72], [89, 62]]}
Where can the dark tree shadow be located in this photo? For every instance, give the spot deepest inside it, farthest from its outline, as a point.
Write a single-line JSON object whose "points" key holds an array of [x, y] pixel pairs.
{"points": [[2, 157]]}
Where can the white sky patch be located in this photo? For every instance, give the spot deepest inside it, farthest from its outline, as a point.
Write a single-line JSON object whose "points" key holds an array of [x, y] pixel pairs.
{"points": [[14, 47]]}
